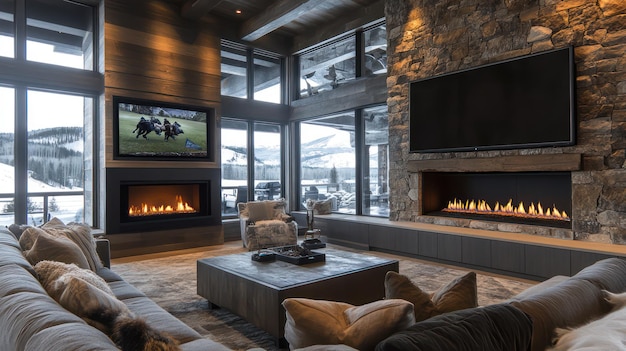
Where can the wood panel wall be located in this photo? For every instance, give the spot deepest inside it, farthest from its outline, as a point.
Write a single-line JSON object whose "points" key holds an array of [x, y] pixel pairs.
{"points": [[152, 52]]}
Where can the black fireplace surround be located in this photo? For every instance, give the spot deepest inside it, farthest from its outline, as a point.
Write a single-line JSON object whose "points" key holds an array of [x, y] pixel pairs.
{"points": [[548, 188], [118, 181]]}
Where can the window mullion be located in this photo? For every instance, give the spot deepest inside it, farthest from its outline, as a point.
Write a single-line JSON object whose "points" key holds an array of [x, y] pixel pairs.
{"points": [[21, 156], [19, 21]]}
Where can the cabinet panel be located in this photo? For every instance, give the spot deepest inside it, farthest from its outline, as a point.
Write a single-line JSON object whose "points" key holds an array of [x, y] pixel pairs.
{"points": [[581, 259], [395, 239], [508, 256], [547, 262], [476, 251], [450, 247], [427, 244], [348, 232]]}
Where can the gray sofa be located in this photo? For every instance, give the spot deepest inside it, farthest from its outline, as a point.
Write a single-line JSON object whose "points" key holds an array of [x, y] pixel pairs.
{"points": [[525, 322], [31, 320]]}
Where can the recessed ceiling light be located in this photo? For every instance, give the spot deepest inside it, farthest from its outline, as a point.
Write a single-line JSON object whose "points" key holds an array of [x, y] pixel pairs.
{"points": [[238, 12]]}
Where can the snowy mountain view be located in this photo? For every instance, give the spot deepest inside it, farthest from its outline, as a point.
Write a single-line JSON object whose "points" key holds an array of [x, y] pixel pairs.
{"points": [[55, 166]]}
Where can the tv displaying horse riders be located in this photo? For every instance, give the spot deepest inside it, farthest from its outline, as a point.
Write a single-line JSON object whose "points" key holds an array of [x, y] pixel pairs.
{"points": [[160, 130]]}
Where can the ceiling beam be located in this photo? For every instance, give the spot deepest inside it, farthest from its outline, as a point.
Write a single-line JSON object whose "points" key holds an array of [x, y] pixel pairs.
{"points": [[195, 9], [276, 16]]}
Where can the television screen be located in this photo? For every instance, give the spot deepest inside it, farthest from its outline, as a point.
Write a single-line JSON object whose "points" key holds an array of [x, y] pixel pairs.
{"points": [[160, 130], [520, 103]]}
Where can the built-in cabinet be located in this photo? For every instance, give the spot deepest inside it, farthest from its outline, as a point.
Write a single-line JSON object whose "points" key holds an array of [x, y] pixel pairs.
{"points": [[521, 259]]}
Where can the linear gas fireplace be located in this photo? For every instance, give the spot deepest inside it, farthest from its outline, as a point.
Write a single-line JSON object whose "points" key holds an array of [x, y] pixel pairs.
{"points": [[534, 198], [147, 202]]}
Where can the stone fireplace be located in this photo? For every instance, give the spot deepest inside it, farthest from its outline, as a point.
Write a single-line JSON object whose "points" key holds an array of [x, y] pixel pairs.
{"points": [[427, 39]]}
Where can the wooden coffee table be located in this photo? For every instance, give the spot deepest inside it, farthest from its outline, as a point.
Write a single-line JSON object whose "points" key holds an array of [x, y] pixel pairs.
{"points": [[255, 290]]}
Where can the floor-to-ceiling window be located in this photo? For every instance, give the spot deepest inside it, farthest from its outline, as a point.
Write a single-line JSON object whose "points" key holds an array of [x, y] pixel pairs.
{"points": [[375, 190], [328, 161], [252, 164], [43, 144], [7, 154], [344, 155], [234, 165]]}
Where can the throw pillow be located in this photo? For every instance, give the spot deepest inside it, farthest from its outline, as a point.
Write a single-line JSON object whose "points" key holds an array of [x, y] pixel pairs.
{"points": [[260, 211], [315, 322], [48, 247], [80, 234], [323, 207], [81, 292], [460, 293]]}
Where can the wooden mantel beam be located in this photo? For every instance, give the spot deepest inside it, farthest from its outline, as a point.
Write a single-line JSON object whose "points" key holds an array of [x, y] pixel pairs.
{"points": [[513, 163], [276, 16]]}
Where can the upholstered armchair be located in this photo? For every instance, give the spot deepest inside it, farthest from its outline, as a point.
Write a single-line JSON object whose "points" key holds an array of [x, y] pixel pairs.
{"points": [[266, 224]]}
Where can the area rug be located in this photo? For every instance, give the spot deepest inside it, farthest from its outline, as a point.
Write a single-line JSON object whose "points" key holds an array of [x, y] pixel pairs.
{"points": [[170, 280]]}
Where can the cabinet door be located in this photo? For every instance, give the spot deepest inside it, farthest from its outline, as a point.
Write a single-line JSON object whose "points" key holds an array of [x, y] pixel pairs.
{"points": [[508, 256], [427, 244], [546, 262], [450, 247], [477, 251]]}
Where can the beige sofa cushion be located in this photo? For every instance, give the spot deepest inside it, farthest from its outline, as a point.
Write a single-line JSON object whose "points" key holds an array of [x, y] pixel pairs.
{"points": [[460, 293], [318, 322]]}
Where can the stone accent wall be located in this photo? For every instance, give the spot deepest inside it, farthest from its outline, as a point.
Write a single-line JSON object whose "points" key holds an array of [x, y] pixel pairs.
{"points": [[431, 37]]}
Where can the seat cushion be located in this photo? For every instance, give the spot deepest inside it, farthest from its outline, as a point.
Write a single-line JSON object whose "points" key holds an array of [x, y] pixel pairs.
{"points": [[272, 233]]}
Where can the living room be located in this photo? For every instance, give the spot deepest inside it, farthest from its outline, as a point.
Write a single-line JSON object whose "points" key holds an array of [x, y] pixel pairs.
{"points": [[160, 51]]}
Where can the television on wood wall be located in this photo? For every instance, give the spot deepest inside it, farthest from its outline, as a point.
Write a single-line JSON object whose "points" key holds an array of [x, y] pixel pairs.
{"points": [[153, 130], [525, 102]]}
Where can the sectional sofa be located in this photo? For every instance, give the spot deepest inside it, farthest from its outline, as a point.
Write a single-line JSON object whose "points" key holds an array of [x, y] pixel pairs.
{"points": [[449, 319], [31, 320]]}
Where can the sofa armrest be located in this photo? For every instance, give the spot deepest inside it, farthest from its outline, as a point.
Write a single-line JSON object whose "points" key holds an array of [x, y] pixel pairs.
{"points": [[103, 248]]}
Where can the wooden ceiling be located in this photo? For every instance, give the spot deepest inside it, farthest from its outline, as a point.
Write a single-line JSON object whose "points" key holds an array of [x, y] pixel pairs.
{"points": [[287, 18]]}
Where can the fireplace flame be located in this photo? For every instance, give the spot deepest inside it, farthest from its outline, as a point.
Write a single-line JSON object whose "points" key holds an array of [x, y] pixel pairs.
{"points": [[508, 209], [150, 209]]}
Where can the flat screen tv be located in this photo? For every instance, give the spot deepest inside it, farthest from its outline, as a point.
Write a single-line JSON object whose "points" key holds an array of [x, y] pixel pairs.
{"points": [[525, 102], [152, 130]]}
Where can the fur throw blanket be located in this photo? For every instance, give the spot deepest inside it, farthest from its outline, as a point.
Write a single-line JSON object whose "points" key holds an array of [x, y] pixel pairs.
{"points": [[88, 296]]}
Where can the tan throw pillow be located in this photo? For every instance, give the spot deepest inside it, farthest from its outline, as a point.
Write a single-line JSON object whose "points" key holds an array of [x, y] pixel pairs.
{"points": [[81, 235], [320, 322], [458, 294], [260, 211], [48, 247]]}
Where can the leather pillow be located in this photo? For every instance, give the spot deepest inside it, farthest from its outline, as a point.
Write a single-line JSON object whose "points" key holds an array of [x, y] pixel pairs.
{"points": [[48, 247], [460, 293], [318, 322]]}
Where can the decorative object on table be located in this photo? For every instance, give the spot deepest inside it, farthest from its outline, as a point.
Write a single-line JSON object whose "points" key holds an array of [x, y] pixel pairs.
{"points": [[310, 239], [264, 256], [297, 254]]}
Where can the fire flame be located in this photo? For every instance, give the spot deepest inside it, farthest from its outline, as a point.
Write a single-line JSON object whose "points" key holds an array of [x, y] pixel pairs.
{"points": [[482, 207], [150, 210]]}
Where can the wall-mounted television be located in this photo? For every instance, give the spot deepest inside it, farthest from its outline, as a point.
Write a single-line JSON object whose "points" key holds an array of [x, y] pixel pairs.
{"points": [[153, 130], [525, 102]]}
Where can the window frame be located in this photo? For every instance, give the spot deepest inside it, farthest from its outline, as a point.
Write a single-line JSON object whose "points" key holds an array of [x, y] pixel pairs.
{"points": [[22, 75]]}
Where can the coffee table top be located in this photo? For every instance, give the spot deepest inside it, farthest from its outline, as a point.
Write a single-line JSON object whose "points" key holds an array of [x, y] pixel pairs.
{"points": [[281, 275]]}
